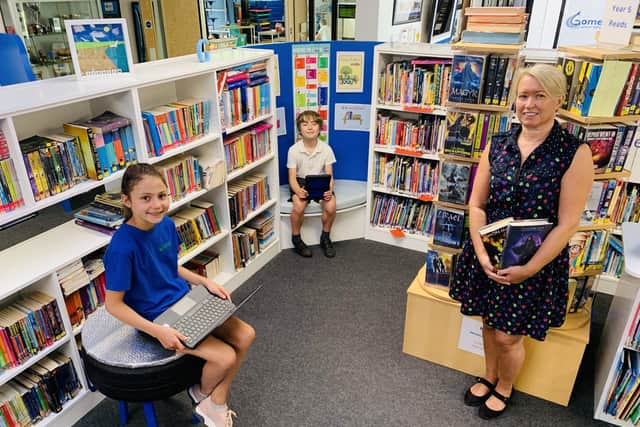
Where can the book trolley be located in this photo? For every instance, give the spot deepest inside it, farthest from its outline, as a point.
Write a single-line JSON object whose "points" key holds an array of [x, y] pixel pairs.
{"points": [[238, 132]]}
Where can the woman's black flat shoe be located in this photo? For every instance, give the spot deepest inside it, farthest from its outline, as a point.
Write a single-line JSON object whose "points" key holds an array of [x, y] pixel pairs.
{"points": [[471, 399], [487, 413]]}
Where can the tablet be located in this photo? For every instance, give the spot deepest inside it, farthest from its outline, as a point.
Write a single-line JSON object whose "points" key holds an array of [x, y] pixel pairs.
{"points": [[317, 185]]}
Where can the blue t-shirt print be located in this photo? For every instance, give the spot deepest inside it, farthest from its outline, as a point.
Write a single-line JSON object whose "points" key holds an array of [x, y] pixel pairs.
{"points": [[144, 264]]}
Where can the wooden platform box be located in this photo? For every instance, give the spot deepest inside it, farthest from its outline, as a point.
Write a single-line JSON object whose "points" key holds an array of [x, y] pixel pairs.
{"points": [[432, 329]]}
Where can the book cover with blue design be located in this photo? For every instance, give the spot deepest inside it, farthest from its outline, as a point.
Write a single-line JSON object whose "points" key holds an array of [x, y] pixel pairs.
{"points": [[439, 267], [467, 75], [523, 240], [449, 227]]}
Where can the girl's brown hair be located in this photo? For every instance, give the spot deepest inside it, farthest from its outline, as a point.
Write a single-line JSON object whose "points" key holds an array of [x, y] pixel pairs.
{"points": [[132, 176]]}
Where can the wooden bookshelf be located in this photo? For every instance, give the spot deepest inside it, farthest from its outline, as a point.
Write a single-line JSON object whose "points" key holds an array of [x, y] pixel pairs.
{"points": [[444, 248], [587, 120], [612, 175], [453, 158], [586, 273], [599, 53], [488, 47], [478, 107], [450, 205], [593, 227]]}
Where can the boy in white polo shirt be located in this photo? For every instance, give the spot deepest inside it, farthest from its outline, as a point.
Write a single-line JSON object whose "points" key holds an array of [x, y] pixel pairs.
{"points": [[310, 156]]}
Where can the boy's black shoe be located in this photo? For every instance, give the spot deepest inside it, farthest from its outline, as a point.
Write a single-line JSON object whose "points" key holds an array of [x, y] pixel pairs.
{"points": [[301, 248], [327, 247]]}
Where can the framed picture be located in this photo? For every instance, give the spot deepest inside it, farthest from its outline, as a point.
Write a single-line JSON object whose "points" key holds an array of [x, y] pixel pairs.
{"points": [[405, 11], [99, 47], [444, 15]]}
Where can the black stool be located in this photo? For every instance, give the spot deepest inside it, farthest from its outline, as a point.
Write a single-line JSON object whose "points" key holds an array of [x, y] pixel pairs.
{"points": [[130, 366]]}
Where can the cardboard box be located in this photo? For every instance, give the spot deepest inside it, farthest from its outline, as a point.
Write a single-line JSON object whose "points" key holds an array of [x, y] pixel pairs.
{"points": [[432, 330]]}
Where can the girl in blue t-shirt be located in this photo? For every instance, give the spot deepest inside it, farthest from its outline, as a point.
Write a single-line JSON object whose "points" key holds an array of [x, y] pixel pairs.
{"points": [[144, 279]]}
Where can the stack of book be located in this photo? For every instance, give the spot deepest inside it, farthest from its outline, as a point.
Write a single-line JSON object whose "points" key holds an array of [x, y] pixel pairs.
{"points": [[10, 195], [245, 246], [601, 88], [263, 224], [407, 214], [587, 250], [247, 195], [497, 25], [512, 242], [83, 286], [261, 17], [424, 135], [174, 124], [106, 143], [40, 390], [419, 82], [182, 174], [623, 400], [28, 325], [481, 79], [408, 175], [195, 224], [206, 264], [245, 94], [468, 132], [100, 217], [246, 147]]}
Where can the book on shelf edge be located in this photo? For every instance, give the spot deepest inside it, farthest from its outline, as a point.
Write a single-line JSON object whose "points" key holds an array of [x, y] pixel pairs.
{"points": [[512, 242]]}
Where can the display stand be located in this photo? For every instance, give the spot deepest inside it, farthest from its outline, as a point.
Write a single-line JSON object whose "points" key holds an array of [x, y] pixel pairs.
{"points": [[433, 324]]}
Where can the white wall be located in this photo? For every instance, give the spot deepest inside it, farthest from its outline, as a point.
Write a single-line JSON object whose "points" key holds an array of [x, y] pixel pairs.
{"points": [[374, 20]]}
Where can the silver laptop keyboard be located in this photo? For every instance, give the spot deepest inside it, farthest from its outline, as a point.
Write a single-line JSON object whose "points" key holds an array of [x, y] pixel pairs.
{"points": [[213, 312]]}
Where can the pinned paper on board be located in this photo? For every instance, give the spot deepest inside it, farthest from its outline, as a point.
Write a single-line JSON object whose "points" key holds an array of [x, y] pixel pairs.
{"points": [[281, 120], [311, 81], [352, 117], [349, 71]]}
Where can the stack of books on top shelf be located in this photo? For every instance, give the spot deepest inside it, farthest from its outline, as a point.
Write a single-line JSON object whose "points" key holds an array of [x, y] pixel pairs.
{"points": [[106, 143], [174, 124], [28, 325], [245, 94], [495, 25], [601, 89], [42, 389], [10, 195], [99, 217], [482, 79]]}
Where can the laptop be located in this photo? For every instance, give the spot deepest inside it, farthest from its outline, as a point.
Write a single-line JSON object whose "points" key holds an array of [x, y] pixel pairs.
{"points": [[198, 313], [316, 185]]}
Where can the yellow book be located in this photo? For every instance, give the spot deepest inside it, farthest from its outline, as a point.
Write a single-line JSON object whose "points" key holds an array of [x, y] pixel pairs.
{"points": [[609, 89], [85, 137]]}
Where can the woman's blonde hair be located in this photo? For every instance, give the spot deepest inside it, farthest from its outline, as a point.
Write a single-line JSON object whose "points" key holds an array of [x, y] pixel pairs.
{"points": [[549, 76]]}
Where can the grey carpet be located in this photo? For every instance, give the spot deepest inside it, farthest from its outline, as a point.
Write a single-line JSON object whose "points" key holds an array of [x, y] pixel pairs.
{"points": [[329, 353]]}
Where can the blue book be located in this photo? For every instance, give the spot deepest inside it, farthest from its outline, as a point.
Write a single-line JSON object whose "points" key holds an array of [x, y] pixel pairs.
{"points": [[592, 82], [449, 227], [467, 75], [492, 38], [153, 131], [523, 239]]}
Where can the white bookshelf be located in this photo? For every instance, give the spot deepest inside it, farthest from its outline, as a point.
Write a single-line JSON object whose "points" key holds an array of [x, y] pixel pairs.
{"points": [[35, 107], [620, 320]]}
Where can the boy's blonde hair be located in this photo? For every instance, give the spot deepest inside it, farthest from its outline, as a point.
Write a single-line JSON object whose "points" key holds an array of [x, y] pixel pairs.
{"points": [[308, 115]]}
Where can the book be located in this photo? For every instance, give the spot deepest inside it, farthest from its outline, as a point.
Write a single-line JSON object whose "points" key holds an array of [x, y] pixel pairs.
{"points": [[453, 183], [467, 76], [512, 242], [448, 227], [461, 133], [439, 267]]}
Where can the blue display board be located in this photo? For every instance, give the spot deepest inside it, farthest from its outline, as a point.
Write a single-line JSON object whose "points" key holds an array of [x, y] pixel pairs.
{"points": [[350, 147]]}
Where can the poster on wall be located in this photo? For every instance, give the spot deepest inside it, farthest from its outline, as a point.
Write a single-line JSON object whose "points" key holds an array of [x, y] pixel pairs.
{"points": [[99, 47], [311, 81], [579, 22], [349, 71], [617, 22], [405, 11], [352, 117]]}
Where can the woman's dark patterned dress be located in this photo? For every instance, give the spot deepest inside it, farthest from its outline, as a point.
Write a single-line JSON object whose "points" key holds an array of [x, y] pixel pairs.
{"points": [[530, 191]]}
